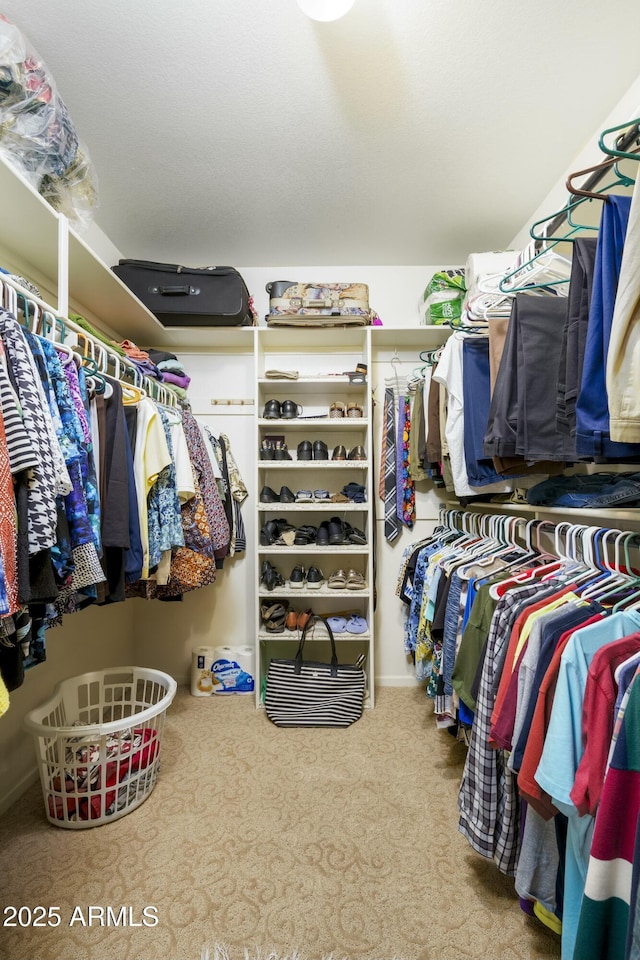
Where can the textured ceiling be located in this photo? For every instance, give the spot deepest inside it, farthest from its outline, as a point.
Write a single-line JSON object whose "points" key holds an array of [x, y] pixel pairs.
{"points": [[410, 132]]}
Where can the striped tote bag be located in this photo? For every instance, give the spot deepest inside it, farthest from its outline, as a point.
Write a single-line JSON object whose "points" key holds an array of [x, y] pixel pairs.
{"points": [[303, 693]]}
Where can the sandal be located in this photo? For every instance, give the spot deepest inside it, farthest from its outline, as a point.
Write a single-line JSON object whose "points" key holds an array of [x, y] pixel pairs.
{"points": [[354, 410], [355, 581], [337, 409], [356, 624], [274, 616], [337, 580]]}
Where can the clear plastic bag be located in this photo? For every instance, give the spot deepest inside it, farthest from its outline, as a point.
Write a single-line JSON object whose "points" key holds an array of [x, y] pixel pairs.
{"points": [[37, 135]]}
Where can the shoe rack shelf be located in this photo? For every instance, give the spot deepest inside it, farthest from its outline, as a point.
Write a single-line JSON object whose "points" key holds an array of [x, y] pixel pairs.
{"points": [[294, 636], [312, 464], [321, 358], [323, 507]]}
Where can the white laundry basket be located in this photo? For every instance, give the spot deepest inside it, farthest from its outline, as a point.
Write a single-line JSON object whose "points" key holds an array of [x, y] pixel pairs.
{"points": [[98, 743]]}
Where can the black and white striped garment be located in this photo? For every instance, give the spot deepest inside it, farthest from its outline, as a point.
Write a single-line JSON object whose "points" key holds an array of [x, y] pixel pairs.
{"points": [[50, 476], [22, 454]]}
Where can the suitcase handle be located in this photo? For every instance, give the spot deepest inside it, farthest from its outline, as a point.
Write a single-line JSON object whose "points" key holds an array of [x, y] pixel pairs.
{"points": [[184, 290], [310, 302]]}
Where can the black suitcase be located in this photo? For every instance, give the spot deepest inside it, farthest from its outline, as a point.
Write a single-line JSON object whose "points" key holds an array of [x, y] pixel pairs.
{"points": [[189, 296]]}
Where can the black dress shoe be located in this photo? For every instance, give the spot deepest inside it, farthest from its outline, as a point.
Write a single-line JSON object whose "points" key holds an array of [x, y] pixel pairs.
{"points": [[320, 451], [286, 495], [305, 450], [336, 532], [288, 410], [322, 539], [272, 410], [267, 495]]}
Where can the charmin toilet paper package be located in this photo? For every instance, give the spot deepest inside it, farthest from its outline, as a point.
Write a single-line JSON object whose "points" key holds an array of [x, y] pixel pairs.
{"points": [[233, 670]]}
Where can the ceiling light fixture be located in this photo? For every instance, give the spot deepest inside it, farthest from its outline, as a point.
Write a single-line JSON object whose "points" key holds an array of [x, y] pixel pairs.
{"points": [[325, 10]]}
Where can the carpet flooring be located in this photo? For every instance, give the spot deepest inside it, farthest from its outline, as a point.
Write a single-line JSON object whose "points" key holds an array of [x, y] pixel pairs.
{"points": [[324, 842]]}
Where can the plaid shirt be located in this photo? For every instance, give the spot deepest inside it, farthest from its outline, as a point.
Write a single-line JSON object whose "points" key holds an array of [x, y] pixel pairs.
{"points": [[488, 799]]}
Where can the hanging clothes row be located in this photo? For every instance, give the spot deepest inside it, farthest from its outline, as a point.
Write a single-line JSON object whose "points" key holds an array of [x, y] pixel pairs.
{"points": [[534, 656], [105, 493]]}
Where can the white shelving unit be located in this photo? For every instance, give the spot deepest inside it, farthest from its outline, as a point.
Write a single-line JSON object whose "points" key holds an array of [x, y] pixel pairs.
{"points": [[321, 357]]}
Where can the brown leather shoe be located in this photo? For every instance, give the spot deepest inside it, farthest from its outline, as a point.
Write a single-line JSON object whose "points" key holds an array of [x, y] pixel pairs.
{"points": [[303, 618], [339, 453], [357, 453], [291, 623]]}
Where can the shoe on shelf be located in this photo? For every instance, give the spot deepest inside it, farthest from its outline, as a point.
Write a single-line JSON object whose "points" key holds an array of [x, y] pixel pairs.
{"points": [[281, 452], [297, 578], [337, 580], [353, 535], [286, 495], [354, 410], [356, 624], [337, 409], [289, 410], [304, 496], [269, 533], [357, 453], [321, 496], [291, 623], [339, 452], [267, 451], [336, 532], [339, 498], [320, 450], [272, 410], [337, 624], [303, 618], [267, 495], [315, 578], [305, 450], [305, 535], [355, 581], [281, 374], [274, 616], [270, 577], [323, 536]]}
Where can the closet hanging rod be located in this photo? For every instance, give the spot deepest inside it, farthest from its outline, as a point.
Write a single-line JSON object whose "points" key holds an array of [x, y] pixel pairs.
{"points": [[623, 143], [13, 293]]}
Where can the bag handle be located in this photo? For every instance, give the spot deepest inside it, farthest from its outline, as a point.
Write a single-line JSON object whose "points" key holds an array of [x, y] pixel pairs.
{"points": [[334, 655]]}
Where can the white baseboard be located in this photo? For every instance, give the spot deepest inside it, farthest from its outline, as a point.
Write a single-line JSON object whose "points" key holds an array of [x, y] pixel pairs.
{"points": [[8, 799], [402, 681]]}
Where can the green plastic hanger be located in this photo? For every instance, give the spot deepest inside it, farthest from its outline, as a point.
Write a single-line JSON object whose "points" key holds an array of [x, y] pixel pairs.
{"points": [[632, 136]]}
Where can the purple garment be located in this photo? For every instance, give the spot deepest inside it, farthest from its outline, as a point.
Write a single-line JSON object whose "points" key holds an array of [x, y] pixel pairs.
{"points": [[146, 368], [169, 377], [399, 438]]}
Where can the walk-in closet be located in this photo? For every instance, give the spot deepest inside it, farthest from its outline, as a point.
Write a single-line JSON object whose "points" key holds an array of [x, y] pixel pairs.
{"points": [[319, 481]]}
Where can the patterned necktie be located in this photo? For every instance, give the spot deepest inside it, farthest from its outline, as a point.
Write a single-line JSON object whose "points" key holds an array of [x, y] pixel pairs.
{"points": [[388, 468], [405, 480]]}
